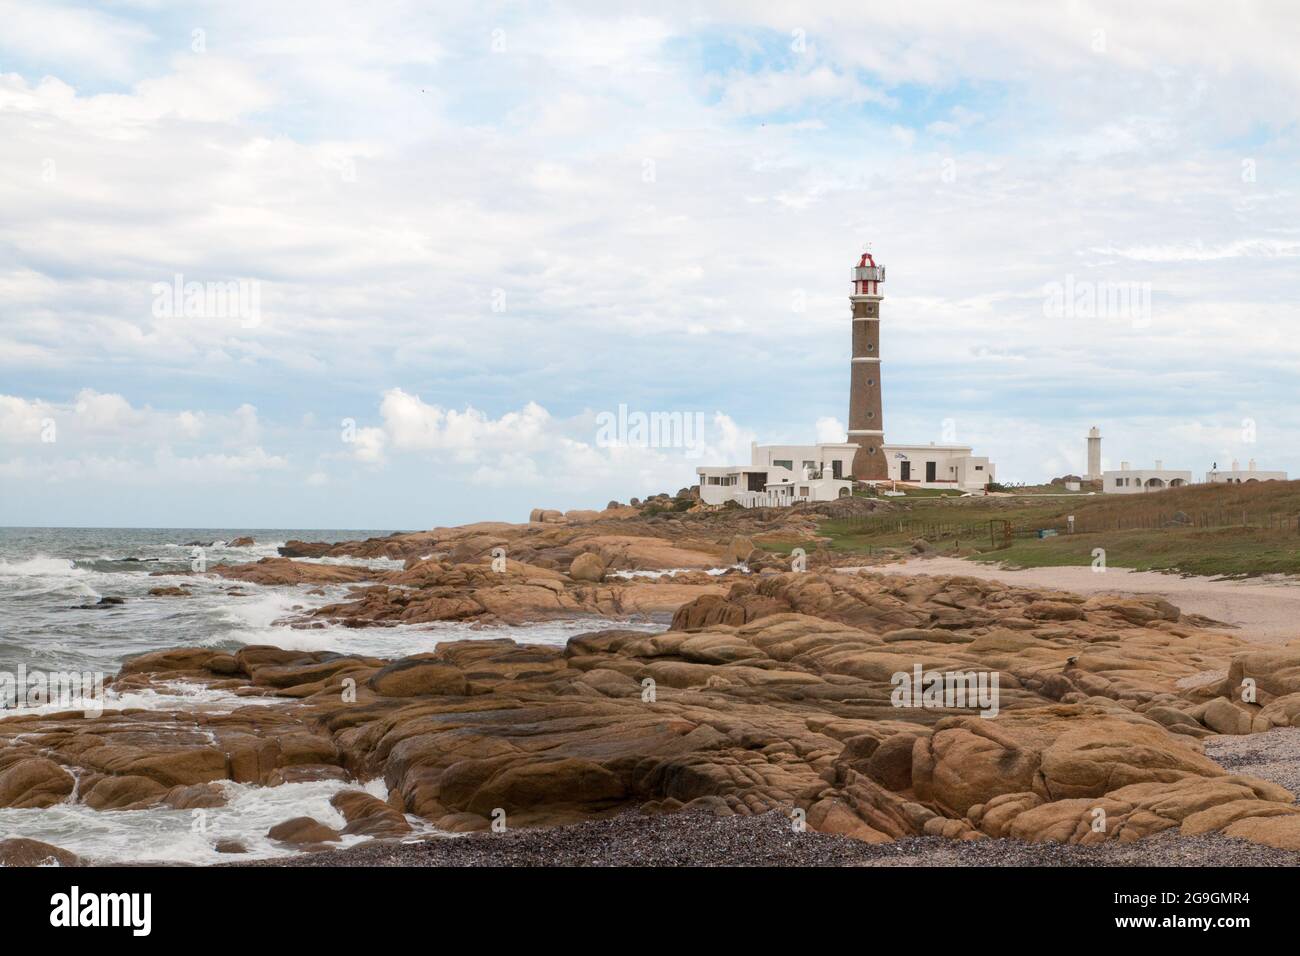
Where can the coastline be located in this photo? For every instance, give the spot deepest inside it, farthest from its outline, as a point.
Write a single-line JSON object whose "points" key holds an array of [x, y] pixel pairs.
{"points": [[701, 838]]}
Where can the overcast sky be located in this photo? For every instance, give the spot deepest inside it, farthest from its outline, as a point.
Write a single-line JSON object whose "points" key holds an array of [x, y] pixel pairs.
{"points": [[466, 232]]}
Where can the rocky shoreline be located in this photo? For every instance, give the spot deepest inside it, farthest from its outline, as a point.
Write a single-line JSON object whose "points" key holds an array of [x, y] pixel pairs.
{"points": [[774, 694], [702, 839], [699, 838]]}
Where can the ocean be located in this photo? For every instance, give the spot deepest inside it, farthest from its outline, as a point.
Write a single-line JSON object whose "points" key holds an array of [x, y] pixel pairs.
{"points": [[51, 583]]}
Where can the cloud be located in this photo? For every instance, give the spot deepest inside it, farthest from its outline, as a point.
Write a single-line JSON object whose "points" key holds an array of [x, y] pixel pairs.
{"points": [[749, 94], [410, 424], [495, 238], [96, 417], [531, 447], [51, 32], [830, 430], [162, 470]]}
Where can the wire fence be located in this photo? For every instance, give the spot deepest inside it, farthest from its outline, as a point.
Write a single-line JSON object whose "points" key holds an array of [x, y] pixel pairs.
{"points": [[997, 531]]}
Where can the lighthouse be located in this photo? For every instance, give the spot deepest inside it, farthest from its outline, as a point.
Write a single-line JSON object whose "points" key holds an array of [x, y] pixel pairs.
{"points": [[1094, 454], [866, 424]]}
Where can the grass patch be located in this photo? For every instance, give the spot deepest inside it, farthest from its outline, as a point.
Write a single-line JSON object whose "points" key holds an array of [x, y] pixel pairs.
{"points": [[1214, 552], [1215, 530]]}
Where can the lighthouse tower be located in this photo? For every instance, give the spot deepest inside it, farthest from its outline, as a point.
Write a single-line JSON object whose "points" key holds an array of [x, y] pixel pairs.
{"points": [[866, 425], [1094, 454]]}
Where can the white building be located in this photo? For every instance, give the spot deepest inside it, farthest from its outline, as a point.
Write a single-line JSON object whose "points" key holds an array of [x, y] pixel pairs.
{"points": [[1235, 476], [784, 474], [939, 466], [1132, 481], [781, 475]]}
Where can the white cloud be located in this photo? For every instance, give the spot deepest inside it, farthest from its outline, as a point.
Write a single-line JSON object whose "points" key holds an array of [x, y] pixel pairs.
{"points": [[109, 420], [384, 174], [749, 94], [76, 35], [830, 429]]}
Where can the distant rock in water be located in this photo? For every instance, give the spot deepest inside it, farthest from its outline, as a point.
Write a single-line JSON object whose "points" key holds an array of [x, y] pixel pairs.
{"points": [[244, 542], [103, 602], [304, 549], [172, 591]]}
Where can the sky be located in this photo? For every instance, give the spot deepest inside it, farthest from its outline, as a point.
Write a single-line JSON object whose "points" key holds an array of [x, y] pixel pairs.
{"points": [[426, 253]]}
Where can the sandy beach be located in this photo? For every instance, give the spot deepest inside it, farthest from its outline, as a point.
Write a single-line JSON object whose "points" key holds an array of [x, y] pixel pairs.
{"points": [[1265, 611]]}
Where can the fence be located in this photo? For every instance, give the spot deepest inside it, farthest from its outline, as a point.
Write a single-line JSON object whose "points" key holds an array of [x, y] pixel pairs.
{"points": [[769, 499], [998, 529]]}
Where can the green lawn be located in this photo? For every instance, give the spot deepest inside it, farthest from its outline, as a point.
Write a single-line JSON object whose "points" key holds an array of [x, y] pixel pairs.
{"points": [[1225, 552], [1236, 531]]}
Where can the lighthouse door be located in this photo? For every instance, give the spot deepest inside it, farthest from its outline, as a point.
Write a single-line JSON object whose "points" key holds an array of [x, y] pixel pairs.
{"points": [[906, 471]]}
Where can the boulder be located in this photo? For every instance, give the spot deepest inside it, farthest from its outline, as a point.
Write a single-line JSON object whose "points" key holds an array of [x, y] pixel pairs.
{"points": [[34, 782], [368, 815], [1223, 716], [740, 548], [19, 851], [303, 831], [587, 567]]}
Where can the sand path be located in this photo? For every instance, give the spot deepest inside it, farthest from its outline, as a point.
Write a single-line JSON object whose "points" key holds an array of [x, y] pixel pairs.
{"points": [[1265, 610]]}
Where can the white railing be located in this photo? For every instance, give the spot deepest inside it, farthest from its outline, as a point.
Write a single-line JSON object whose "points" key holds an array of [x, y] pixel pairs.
{"points": [[768, 499]]}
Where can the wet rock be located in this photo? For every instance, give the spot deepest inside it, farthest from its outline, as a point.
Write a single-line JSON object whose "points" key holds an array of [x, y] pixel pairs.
{"points": [[367, 815], [303, 831], [304, 549], [102, 603], [19, 851], [270, 571], [33, 782]]}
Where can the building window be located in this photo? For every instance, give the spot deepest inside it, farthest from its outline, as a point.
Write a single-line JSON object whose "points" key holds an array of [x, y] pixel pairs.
{"points": [[786, 463], [979, 467], [1119, 482], [871, 449], [810, 464], [871, 381], [836, 467]]}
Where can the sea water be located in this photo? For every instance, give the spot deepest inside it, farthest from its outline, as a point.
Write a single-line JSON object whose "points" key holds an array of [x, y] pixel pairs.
{"points": [[51, 580]]}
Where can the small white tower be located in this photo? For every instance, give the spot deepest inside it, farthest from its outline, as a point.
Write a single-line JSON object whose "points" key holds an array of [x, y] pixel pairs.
{"points": [[1094, 454]]}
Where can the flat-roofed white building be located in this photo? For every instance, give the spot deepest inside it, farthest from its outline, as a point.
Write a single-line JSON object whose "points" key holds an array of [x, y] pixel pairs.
{"points": [[1235, 476], [781, 475], [1135, 481], [939, 466], [785, 474]]}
